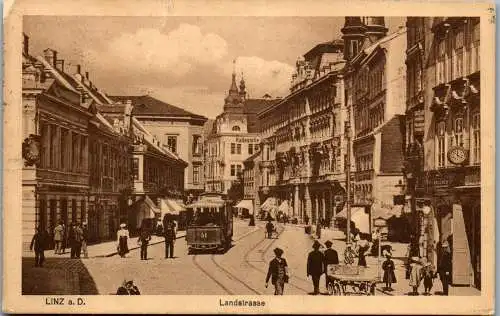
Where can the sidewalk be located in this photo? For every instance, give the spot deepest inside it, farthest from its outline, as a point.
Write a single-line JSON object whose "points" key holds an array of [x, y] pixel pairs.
{"points": [[105, 249]]}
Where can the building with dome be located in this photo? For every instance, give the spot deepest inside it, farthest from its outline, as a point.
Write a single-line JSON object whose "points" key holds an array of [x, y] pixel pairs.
{"points": [[233, 138]]}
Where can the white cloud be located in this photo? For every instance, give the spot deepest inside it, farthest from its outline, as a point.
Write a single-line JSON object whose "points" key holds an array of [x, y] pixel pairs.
{"points": [[150, 51], [262, 76]]}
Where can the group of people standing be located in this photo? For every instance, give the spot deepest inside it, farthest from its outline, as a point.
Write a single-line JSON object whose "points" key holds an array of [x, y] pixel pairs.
{"points": [[76, 237], [169, 233], [317, 263]]}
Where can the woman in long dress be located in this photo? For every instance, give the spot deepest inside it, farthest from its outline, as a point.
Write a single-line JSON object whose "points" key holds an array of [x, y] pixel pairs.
{"points": [[122, 239]]}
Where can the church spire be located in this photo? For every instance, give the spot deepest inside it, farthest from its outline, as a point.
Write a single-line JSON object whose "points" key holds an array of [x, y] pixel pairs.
{"points": [[233, 88], [242, 87]]}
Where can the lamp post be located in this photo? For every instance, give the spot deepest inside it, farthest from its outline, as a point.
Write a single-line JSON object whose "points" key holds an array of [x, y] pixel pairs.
{"points": [[348, 175]]}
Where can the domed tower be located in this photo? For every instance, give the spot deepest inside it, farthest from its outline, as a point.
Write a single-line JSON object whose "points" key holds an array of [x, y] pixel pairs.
{"points": [[375, 27], [353, 36], [243, 93]]}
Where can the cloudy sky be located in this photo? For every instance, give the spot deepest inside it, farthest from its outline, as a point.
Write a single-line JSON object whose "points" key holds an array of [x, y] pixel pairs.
{"points": [[185, 61]]}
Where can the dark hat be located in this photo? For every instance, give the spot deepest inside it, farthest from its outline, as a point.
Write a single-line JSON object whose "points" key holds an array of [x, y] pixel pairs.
{"points": [[328, 243], [278, 251], [316, 244]]}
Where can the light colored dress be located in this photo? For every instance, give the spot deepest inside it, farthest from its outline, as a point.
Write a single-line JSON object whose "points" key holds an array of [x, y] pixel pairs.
{"points": [[415, 274]]}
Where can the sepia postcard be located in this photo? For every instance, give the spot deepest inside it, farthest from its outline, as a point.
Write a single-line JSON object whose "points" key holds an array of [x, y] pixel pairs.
{"points": [[249, 157]]}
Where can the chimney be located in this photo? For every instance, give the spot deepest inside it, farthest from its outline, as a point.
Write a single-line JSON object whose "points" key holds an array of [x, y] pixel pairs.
{"points": [[51, 56], [60, 64], [26, 45]]}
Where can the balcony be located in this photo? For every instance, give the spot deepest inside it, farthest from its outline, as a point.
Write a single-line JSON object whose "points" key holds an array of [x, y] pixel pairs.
{"points": [[365, 175]]}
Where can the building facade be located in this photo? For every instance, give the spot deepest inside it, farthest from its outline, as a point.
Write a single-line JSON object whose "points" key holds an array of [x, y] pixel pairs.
{"points": [[375, 80], [233, 138], [303, 146], [179, 131], [446, 183]]}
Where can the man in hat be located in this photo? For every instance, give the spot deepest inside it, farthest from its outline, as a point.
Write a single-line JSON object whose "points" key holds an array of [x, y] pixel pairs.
{"points": [[330, 257], [277, 272], [169, 232], [269, 229], [315, 262], [444, 267]]}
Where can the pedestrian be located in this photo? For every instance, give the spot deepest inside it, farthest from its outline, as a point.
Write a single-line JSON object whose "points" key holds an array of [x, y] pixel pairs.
{"points": [[306, 219], [77, 241], [169, 240], [122, 237], [38, 244], [330, 257], [363, 247], [389, 275], [318, 229], [444, 267], [58, 238], [269, 229], [278, 272], [428, 277], [315, 262], [71, 240], [415, 274], [143, 240], [85, 238], [128, 288]]}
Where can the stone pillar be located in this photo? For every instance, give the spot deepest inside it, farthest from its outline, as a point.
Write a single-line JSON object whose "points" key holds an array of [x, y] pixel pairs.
{"points": [[296, 201], [307, 203], [323, 204]]}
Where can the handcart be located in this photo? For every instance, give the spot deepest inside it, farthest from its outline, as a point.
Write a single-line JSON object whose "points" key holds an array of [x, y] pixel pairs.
{"points": [[349, 280]]}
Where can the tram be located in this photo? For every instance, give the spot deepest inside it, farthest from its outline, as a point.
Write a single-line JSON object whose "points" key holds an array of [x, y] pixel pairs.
{"points": [[209, 223]]}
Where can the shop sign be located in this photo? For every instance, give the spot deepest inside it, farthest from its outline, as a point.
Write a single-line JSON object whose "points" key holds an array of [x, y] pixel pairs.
{"points": [[379, 222], [247, 139]]}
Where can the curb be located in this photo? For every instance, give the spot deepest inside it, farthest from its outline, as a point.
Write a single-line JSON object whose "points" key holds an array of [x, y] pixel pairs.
{"points": [[135, 247]]}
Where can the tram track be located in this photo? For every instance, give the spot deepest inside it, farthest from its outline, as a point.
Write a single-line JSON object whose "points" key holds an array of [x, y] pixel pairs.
{"points": [[227, 273]]}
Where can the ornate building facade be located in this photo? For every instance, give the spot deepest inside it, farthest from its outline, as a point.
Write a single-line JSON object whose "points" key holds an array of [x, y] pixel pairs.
{"points": [[233, 138], [375, 80], [444, 84], [302, 156]]}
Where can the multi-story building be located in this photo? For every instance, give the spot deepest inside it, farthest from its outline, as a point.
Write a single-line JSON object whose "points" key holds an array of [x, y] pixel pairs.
{"points": [[251, 180], [444, 83], [179, 131], [376, 79], [303, 142], [55, 150], [233, 138]]}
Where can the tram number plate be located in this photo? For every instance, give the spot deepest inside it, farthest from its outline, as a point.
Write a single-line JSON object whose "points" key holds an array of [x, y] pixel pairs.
{"points": [[203, 235]]}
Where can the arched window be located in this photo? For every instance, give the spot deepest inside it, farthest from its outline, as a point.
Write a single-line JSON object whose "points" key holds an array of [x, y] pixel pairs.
{"points": [[236, 128]]}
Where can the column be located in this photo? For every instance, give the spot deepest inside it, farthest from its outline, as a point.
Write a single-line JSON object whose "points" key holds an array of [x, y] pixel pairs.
{"points": [[323, 205], [296, 201], [307, 204]]}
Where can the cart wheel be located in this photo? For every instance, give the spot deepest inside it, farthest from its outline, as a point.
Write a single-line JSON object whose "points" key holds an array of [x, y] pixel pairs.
{"points": [[330, 288]]}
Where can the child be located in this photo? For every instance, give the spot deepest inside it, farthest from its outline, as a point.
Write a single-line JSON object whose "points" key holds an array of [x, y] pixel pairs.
{"points": [[389, 276], [415, 274], [428, 276]]}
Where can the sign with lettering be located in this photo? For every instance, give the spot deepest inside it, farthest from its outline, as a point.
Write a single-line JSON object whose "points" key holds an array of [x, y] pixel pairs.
{"points": [[247, 139]]}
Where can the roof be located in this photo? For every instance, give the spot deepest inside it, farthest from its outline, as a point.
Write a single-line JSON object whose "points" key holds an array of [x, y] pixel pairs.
{"points": [[370, 49], [326, 47], [58, 75], [148, 105], [252, 107]]}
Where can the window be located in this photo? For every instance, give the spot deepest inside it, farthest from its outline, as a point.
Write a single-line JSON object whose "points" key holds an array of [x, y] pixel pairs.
{"points": [[135, 168], [197, 145], [238, 149], [64, 148], [76, 152], [441, 150], [458, 128], [459, 55], [196, 174], [475, 63], [476, 139], [236, 128], [250, 149], [233, 170], [233, 148], [354, 48], [172, 143], [53, 147], [238, 169], [440, 66]]}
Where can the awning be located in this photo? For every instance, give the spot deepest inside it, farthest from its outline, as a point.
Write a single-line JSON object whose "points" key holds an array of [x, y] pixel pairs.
{"points": [[343, 213], [283, 207], [247, 204], [268, 204], [173, 207], [151, 204], [386, 213]]}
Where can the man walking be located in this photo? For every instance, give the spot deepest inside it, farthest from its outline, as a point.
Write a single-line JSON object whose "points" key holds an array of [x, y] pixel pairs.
{"points": [[269, 229], [77, 240], [315, 264], [330, 257], [144, 239], [38, 243], [444, 268], [85, 237], [58, 238], [169, 240]]}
